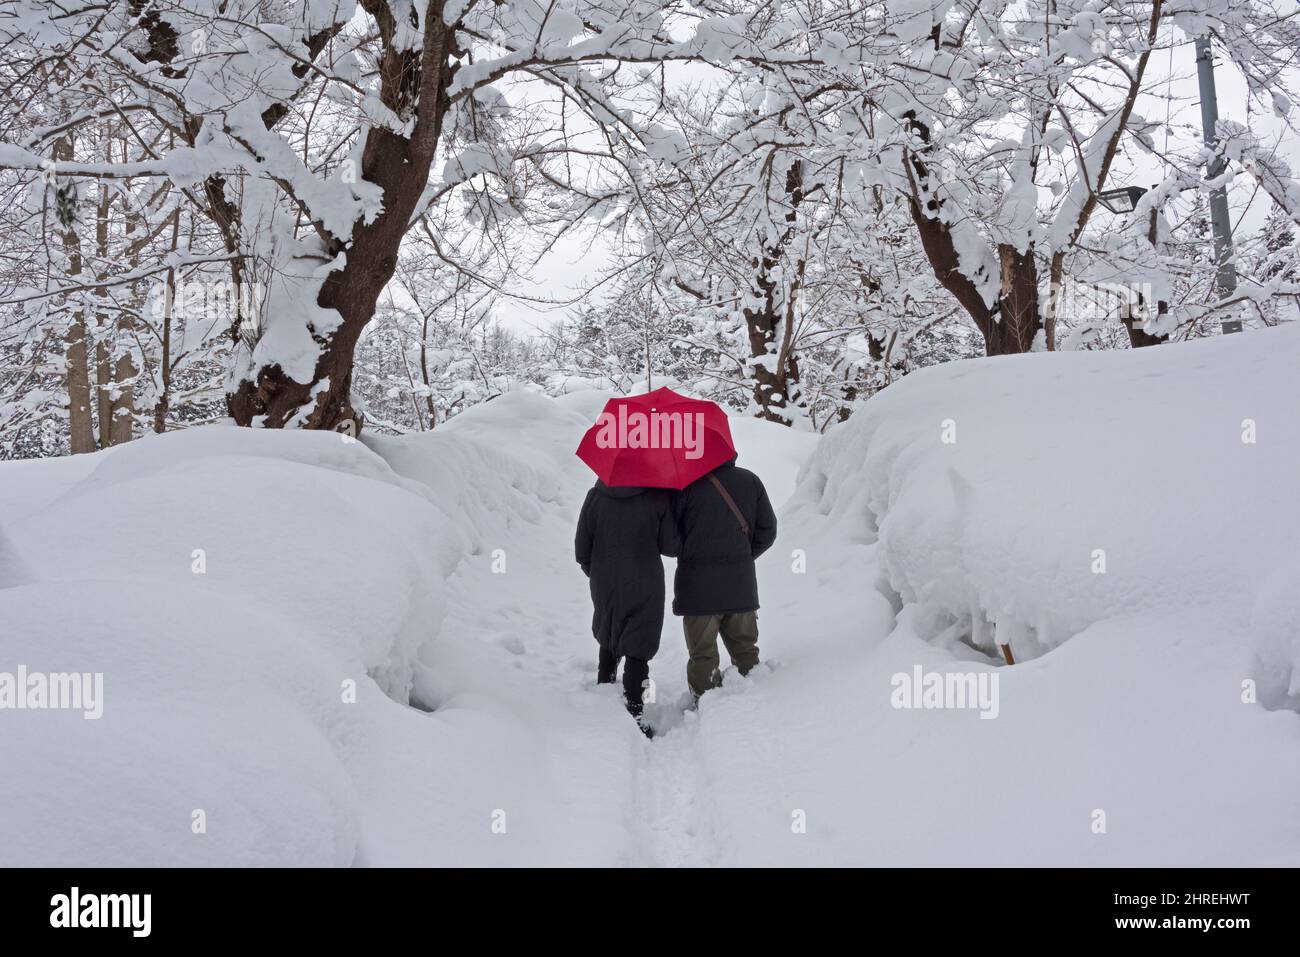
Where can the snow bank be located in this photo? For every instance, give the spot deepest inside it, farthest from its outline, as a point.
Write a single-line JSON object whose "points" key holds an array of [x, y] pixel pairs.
{"points": [[1275, 630], [256, 601], [1147, 720], [1024, 499], [227, 584]]}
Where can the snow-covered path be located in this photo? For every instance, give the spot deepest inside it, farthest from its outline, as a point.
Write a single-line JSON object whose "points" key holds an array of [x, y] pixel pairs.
{"points": [[577, 782]]}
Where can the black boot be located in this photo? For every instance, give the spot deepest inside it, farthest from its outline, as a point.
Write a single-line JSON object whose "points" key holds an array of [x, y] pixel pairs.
{"points": [[606, 667], [636, 672]]}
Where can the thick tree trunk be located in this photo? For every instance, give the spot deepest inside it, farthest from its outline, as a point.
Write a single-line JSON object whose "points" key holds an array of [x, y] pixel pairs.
{"points": [[1019, 317], [772, 385], [1011, 323], [774, 378], [400, 166]]}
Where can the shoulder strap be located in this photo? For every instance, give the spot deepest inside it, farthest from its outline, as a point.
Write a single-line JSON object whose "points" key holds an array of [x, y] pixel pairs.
{"points": [[731, 503]]}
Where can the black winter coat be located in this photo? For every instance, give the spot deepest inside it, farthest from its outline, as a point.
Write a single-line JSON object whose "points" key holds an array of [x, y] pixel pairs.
{"points": [[715, 567], [621, 534]]}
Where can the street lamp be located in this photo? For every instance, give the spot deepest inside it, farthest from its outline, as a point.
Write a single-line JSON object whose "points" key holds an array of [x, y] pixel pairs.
{"points": [[1123, 200]]}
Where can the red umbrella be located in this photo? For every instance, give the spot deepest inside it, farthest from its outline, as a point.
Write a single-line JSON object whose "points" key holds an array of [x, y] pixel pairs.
{"points": [[660, 439]]}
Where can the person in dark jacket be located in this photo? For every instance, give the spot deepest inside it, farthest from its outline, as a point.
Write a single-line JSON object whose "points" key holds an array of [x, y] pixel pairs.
{"points": [[622, 532], [715, 589]]}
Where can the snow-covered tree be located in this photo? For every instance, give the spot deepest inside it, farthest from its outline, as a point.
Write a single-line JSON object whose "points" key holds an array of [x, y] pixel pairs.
{"points": [[1000, 127], [309, 133]]}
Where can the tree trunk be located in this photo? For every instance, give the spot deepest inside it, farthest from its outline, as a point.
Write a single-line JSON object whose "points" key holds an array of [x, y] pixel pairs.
{"points": [[103, 355], [81, 427], [774, 380], [409, 80], [163, 406], [1019, 317], [122, 398], [1011, 324], [1140, 338], [424, 374], [123, 405]]}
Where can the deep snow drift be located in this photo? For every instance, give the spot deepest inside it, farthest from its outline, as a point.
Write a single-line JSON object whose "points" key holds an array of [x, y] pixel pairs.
{"points": [[1131, 709], [234, 586]]}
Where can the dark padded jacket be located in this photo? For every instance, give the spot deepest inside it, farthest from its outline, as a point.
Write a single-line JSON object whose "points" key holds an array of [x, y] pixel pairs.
{"points": [[621, 534], [715, 567]]}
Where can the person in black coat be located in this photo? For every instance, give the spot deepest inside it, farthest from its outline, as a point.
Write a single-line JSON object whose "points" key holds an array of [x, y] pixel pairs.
{"points": [[622, 532], [715, 589]]}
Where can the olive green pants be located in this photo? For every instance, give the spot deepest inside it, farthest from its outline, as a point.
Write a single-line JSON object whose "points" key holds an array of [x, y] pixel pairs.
{"points": [[739, 632]]}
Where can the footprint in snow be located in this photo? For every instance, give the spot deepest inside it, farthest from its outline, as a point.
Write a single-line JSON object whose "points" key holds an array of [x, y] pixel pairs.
{"points": [[513, 644]]}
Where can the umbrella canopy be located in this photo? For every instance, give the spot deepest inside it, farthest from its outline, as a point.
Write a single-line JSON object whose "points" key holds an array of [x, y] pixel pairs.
{"points": [[660, 439]]}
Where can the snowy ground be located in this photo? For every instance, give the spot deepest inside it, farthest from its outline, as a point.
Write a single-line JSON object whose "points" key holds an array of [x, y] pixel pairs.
{"points": [[443, 564]]}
